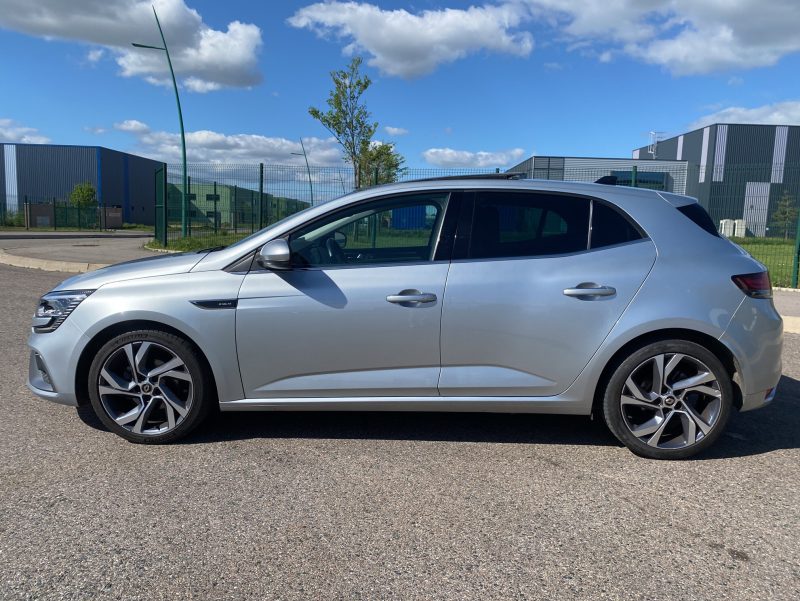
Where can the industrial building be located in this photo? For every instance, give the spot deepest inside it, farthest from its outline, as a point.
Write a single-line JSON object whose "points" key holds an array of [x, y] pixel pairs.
{"points": [[738, 172], [667, 176], [41, 173]]}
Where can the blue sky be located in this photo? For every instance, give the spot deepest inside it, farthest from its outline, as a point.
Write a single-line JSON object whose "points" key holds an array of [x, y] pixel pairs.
{"points": [[461, 84]]}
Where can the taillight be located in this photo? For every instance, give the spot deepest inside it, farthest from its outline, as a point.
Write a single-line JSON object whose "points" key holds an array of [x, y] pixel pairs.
{"points": [[754, 285]]}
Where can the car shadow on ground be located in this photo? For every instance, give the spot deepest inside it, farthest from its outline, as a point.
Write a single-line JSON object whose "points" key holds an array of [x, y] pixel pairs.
{"points": [[772, 428]]}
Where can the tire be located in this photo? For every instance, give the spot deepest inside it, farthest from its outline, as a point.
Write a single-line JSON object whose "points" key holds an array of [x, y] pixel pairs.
{"points": [[659, 420], [150, 386]]}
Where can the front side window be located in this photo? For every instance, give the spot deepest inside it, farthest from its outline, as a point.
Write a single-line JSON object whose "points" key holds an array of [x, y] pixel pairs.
{"points": [[526, 224], [394, 230]]}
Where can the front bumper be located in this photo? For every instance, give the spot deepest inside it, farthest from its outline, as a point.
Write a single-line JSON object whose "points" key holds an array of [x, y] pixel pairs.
{"points": [[53, 363], [755, 337]]}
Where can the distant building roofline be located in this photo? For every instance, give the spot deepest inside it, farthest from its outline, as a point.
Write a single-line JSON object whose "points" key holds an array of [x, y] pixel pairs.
{"points": [[716, 123], [90, 146]]}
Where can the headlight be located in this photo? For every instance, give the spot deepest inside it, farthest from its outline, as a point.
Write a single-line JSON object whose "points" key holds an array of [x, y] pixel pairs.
{"points": [[55, 307]]}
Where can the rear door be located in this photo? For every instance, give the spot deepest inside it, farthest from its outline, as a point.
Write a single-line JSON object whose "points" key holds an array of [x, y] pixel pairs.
{"points": [[531, 295]]}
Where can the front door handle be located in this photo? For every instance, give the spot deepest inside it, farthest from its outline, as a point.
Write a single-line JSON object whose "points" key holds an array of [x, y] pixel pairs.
{"points": [[411, 298], [589, 289]]}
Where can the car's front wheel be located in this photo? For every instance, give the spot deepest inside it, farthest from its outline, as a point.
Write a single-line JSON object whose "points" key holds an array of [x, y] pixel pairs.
{"points": [[149, 386], [668, 400]]}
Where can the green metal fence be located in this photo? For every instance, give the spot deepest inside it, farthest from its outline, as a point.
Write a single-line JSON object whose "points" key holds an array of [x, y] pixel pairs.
{"points": [[756, 206], [38, 213]]}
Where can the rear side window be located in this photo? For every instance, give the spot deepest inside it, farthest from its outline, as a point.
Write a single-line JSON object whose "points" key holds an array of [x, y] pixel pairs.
{"points": [[525, 224], [610, 227], [699, 216]]}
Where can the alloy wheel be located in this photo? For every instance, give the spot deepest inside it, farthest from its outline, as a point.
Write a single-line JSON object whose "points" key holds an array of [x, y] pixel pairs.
{"points": [[671, 401], [145, 388]]}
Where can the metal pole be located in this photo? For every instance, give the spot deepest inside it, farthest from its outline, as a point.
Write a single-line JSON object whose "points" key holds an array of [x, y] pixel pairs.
{"points": [[796, 263], [308, 170], [186, 219], [184, 207], [54, 213], [216, 202], [634, 174], [260, 195]]}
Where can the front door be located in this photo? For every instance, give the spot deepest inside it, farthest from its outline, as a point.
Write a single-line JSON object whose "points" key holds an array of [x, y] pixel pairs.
{"points": [[533, 296], [358, 315]]}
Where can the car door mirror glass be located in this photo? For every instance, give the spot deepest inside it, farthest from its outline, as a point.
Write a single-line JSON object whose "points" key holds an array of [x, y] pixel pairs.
{"points": [[340, 238], [275, 254]]}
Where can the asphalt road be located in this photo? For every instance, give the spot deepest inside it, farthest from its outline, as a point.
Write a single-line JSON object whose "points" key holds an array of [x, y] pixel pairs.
{"points": [[386, 506], [77, 247]]}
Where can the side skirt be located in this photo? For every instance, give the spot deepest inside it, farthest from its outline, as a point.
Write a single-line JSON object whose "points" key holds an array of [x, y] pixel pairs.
{"points": [[550, 405]]}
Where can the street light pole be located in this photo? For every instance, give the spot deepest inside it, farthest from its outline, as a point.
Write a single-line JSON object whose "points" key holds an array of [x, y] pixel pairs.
{"points": [[184, 207], [308, 169]]}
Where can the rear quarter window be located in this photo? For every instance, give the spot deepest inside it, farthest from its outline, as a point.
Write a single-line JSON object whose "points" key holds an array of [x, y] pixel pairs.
{"points": [[610, 227], [698, 215]]}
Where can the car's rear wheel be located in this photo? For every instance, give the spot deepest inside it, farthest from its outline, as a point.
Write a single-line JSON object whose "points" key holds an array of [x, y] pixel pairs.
{"points": [[668, 400], [149, 386]]}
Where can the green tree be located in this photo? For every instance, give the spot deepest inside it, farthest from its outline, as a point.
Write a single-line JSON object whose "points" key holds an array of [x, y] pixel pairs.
{"points": [[785, 215], [83, 195], [347, 117], [380, 163]]}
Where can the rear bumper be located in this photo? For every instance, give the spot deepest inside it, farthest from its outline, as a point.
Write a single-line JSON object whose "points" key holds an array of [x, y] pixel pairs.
{"points": [[755, 337]]}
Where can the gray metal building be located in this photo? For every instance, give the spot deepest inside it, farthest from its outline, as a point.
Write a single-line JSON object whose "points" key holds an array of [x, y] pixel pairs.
{"points": [[736, 171], [42, 172], [667, 176]]}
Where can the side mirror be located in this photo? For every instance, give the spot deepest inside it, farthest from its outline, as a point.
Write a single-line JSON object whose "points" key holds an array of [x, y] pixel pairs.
{"points": [[340, 238], [275, 254]]}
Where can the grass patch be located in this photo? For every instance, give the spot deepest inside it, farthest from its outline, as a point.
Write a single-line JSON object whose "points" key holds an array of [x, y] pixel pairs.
{"points": [[777, 254], [193, 244]]}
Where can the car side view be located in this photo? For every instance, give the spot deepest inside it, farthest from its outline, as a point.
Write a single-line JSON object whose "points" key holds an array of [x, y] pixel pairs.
{"points": [[485, 294]]}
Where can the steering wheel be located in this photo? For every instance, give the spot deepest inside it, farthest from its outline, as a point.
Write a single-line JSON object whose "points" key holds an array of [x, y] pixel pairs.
{"points": [[335, 252]]}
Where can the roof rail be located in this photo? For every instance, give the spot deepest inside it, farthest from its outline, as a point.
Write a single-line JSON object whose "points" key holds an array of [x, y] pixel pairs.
{"points": [[514, 175]]}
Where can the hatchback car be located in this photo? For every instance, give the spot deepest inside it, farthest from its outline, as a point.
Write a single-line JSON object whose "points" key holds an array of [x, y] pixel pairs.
{"points": [[482, 294]]}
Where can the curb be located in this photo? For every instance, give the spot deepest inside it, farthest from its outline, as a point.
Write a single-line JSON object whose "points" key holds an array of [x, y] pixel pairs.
{"points": [[48, 264], [779, 289]]}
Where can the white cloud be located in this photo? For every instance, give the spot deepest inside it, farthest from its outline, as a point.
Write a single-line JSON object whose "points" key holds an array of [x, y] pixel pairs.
{"points": [[685, 36], [95, 129], [395, 131], [95, 54], [447, 157], [132, 125], [781, 113], [215, 147], [11, 131], [735, 81], [408, 45], [553, 66], [204, 58]]}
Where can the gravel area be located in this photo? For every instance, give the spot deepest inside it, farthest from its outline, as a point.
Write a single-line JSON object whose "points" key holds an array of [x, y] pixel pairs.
{"points": [[386, 506]]}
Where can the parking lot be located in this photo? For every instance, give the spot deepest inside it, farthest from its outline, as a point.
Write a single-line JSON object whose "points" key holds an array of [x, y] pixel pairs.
{"points": [[386, 506]]}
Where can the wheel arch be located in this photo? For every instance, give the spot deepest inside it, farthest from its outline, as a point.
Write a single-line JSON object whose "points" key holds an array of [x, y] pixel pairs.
{"points": [[722, 352], [100, 338]]}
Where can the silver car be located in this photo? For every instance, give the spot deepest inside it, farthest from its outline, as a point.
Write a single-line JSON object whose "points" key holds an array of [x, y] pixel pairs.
{"points": [[482, 294]]}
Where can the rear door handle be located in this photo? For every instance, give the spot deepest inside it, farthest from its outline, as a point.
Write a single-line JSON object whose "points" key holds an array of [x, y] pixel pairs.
{"points": [[590, 289], [411, 298]]}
